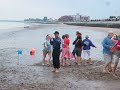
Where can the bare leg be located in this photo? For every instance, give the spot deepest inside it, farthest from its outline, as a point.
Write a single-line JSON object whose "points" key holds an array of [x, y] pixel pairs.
{"points": [[107, 67], [85, 62], [44, 56], [76, 60], [63, 63], [90, 61], [79, 60], [67, 62], [114, 69], [49, 54], [110, 67]]}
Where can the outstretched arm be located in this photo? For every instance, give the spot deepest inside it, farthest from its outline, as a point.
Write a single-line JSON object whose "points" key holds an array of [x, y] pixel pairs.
{"points": [[91, 44]]}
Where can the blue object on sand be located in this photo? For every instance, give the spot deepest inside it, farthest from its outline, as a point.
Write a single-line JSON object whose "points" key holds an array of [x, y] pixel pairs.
{"points": [[19, 52]]}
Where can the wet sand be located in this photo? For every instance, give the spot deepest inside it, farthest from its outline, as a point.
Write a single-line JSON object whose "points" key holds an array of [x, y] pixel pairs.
{"points": [[38, 77]]}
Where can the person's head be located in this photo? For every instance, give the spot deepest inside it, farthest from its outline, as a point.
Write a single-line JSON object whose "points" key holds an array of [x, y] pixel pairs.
{"points": [[119, 37], [66, 35], [63, 36], [48, 37], [56, 34], [77, 32], [110, 34], [86, 36]]}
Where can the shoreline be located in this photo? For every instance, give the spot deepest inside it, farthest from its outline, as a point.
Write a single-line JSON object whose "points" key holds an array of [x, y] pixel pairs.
{"points": [[102, 29], [39, 26]]}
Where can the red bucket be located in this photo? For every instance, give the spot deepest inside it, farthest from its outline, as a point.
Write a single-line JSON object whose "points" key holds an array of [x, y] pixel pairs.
{"points": [[32, 52]]}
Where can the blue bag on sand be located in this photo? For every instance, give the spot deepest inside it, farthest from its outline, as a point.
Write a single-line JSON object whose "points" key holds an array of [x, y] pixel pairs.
{"points": [[19, 52]]}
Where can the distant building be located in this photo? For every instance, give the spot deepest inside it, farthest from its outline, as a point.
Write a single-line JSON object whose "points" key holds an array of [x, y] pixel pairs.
{"points": [[45, 19], [85, 18], [50, 20], [118, 17], [80, 18], [66, 18]]}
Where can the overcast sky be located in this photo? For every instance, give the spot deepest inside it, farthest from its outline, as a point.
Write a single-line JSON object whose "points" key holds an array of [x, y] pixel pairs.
{"points": [[21, 9]]}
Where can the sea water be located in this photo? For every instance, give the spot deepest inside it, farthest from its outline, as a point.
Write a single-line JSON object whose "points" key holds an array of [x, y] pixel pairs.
{"points": [[34, 38]]}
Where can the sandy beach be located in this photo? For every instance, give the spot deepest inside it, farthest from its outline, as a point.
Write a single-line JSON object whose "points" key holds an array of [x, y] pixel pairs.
{"points": [[37, 77]]}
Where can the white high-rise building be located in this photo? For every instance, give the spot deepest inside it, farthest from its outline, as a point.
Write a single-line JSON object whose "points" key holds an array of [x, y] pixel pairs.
{"points": [[80, 18]]}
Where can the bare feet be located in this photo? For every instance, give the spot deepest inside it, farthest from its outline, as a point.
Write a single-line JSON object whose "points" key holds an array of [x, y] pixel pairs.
{"points": [[63, 65], [54, 70], [48, 64], [57, 71], [115, 75], [104, 71], [91, 63]]}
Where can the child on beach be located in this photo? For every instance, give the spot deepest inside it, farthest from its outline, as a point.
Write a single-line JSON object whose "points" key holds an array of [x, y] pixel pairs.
{"points": [[56, 43], [74, 52], [66, 54], [47, 50], [86, 49], [116, 57], [78, 49]]}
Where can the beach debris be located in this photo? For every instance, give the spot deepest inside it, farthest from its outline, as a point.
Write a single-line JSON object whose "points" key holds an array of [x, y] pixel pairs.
{"points": [[32, 52], [26, 27], [19, 52]]}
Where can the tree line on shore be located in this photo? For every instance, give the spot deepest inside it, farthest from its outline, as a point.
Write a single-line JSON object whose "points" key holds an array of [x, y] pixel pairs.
{"points": [[90, 24]]}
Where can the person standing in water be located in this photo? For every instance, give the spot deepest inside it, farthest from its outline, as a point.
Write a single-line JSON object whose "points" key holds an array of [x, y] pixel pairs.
{"points": [[116, 57], [108, 55], [86, 49], [66, 54], [78, 49], [47, 50], [74, 52], [56, 43]]}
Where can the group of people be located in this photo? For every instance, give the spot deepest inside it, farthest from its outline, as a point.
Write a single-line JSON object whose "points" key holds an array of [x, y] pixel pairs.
{"points": [[61, 50], [111, 51]]}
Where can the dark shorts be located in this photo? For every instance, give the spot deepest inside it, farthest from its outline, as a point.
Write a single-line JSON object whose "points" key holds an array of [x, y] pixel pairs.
{"points": [[47, 50], [78, 51]]}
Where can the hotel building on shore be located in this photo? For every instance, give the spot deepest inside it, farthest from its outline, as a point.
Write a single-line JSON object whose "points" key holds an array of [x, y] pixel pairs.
{"points": [[80, 18]]}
